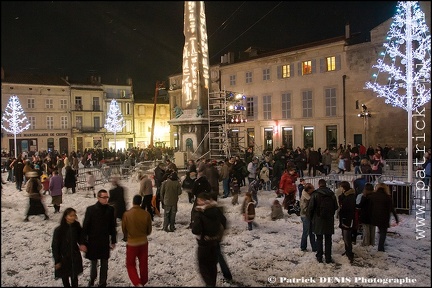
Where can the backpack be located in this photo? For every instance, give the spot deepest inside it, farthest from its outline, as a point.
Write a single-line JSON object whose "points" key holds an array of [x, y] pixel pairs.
{"points": [[326, 206], [244, 171]]}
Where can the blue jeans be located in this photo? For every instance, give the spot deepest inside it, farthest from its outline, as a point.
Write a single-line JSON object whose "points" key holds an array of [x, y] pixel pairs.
{"points": [[267, 186], [169, 217], [226, 188], [357, 170], [307, 231]]}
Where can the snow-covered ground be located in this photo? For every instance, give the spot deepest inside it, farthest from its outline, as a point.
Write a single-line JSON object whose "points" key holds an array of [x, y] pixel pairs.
{"points": [[269, 255]]}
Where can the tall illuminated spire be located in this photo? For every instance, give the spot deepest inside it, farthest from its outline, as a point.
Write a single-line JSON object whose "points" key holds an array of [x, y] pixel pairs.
{"points": [[195, 83]]}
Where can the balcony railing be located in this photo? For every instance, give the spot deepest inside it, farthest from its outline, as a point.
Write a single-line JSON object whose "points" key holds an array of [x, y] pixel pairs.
{"points": [[78, 107], [87, 129]]}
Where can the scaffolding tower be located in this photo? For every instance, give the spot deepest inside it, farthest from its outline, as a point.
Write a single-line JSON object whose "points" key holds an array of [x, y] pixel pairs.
{"points": [[226, 114]]}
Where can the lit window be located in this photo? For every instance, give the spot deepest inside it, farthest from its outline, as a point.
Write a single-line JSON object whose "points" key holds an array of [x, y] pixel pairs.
{"points": [[331, 63], [306, 67], [286, 71]]}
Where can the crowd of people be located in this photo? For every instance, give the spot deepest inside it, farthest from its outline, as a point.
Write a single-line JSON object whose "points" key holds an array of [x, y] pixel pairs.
{"points": [[318, 207]]}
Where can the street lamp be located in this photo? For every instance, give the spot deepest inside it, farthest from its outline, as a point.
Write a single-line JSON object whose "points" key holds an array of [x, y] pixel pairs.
{"points": [[365, 114]]}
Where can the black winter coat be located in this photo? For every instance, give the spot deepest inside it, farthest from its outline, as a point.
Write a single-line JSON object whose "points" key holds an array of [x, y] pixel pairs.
{"points": [[117, 200], [70, 178], [347, 209], [201, 185], [381, 205], [207, 224], [18, 171], [364, 210], [321, 226], [99, 231], [65, 250]]}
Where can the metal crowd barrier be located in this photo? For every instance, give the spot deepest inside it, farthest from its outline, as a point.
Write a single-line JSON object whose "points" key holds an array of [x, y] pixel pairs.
{"points": [[102, 174], [407, 197]]}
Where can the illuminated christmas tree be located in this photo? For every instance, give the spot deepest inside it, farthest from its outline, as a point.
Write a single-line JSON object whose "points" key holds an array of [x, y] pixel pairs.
{"points": [[405, 67], [14, 119], [114, 121]]}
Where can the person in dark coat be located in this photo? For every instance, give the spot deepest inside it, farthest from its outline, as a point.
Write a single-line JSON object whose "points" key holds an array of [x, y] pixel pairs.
{"points": [[313, 161], [365, 219], [322, 225], [212, 175], [159, 173], [70, 179], [346, 216], [381, 205], [34, 187], [65, 249], [201, 185], [18, 170], [208, 226], [117, 197], [100, 236]]}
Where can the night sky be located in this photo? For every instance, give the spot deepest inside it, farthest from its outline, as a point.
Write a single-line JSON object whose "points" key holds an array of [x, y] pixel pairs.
{"points": [[144, 40]]}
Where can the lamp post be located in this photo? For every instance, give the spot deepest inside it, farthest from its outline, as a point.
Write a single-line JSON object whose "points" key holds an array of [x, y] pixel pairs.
{"points": [[365, 114]]}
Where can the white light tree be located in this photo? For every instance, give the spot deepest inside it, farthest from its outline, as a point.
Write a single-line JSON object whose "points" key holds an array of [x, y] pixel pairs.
{"points": [[405, 65], [14, 119], [114, 121]]}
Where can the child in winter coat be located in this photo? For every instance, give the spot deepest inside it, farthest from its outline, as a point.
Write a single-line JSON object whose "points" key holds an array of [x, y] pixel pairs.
{"points": [[265, 176], [45, 180], [235, 190], [90, 182], [248, 210], [341, 164], [276, 210]]}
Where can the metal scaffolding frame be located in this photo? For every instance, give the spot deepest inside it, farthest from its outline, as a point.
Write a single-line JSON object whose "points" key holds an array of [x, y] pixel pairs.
{"points": [[226, 125]]}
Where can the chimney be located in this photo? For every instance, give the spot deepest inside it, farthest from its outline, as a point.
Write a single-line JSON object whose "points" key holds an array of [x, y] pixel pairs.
{"points": [[129, 81], [67, 78], [347, 31], [99, 79]]}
